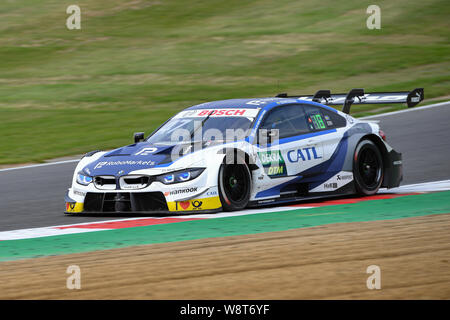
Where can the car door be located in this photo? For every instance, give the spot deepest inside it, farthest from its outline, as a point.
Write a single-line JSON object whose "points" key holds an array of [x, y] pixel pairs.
{"points": [[296, 149]]}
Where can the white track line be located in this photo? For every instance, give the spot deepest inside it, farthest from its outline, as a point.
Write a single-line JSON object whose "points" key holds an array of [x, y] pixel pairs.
{"points": [[442, 185], [407, 110], [40, 165], [42, 232]]}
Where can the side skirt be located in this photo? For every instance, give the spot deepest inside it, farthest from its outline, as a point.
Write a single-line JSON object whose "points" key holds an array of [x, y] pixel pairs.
{"points": [[348, 189]]}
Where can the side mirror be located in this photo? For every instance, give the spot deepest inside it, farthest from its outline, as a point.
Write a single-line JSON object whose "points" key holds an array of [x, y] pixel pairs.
{"points": [[138, 137]]}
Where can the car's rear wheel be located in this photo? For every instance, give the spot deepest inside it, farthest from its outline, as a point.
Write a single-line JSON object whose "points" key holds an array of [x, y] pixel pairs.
{"points": [[368, 169], [234, 186]]}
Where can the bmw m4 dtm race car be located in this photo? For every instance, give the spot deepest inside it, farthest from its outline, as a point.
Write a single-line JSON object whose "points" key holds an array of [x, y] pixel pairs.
{"points": [[232, 154]]}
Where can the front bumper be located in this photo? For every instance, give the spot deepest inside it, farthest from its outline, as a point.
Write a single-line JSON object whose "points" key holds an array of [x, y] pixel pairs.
{"points": [[139, 203]]}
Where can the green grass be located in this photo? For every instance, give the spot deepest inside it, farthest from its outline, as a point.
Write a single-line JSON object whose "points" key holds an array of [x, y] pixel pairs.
{"points": [[135, 63]]}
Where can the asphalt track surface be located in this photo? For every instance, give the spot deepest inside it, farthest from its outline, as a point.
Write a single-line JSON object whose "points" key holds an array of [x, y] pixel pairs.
{"points": [[34, 197]]}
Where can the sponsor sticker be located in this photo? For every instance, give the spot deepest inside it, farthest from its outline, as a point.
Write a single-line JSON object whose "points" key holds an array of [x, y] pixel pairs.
{"points": [[332, 185], [195, 204], [304, 154], [228, 112], [271, 157], [102, 164], [212, 193], [273, 163], [74, 207], [79, 193], [146, 151], [181, 191], [337, 181], [344, 177]]}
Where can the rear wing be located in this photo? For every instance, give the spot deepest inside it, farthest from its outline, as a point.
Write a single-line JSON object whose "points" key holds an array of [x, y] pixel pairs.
{"points": [[358, 96]]}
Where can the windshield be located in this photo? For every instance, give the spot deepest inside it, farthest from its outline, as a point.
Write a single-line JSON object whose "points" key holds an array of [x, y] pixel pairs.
{"points": [[206, 125]]}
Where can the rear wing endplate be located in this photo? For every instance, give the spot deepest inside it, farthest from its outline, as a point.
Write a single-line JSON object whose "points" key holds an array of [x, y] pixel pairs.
{"points": [[358, 96]]}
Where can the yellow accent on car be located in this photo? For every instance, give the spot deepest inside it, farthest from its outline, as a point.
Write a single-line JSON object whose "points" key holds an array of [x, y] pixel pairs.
{"points": [[195, 204], [74, 207]]}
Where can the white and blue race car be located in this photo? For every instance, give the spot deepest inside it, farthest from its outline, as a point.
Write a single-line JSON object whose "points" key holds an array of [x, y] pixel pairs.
{"points": [[232, 154]]}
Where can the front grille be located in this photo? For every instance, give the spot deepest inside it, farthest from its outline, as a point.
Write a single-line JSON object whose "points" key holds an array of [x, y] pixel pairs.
{"points": [[131, 182], [125, 202], [134, 182], [105, 182]]}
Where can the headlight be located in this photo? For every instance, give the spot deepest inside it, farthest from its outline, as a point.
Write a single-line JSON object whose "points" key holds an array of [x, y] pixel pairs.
{"points": [[180, 176], [83, 179]]}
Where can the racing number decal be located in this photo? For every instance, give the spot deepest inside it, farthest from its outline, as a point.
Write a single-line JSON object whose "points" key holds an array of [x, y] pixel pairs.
{"points": [[318, 122]]}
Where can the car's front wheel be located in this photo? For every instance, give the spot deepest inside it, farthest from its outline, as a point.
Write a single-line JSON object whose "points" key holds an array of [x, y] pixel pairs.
{"points": [[368, 169], [234, 186]]}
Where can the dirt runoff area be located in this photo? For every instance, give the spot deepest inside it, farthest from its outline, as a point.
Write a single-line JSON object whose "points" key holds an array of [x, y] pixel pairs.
{"points": [[326, 262]]}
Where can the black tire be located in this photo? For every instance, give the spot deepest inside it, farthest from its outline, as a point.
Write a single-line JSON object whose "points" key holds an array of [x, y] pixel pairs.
{"points": [[368, 169], [234, 186]]}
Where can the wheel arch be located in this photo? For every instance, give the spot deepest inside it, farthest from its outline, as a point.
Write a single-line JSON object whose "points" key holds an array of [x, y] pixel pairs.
{"points": [[233, 155], [384, 153], [233, 152]]}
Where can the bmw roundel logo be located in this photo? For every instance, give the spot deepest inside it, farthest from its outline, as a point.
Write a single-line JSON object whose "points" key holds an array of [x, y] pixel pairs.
{"points": [[120, 172]]}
